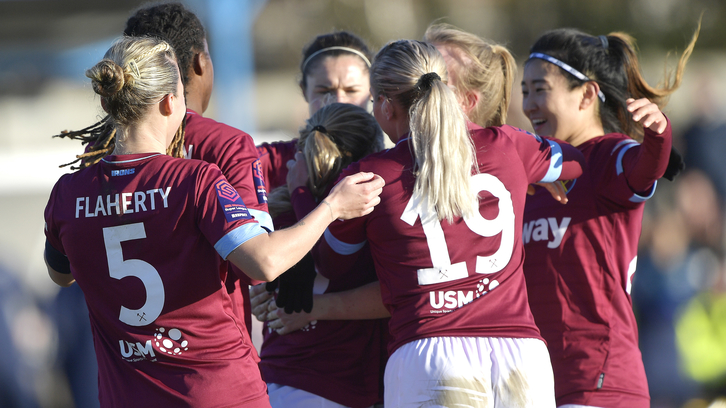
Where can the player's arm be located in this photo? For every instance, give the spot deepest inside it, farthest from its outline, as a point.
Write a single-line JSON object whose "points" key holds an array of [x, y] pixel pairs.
{"points": [[59, 268], [547, 160], [361, 303], [565, 161], [645, 163], [266, 256]]}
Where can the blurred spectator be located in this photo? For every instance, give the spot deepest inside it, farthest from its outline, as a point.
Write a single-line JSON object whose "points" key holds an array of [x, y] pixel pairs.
{"points": [[704, 141], [25, 336], [76, 356], [679, 262]]}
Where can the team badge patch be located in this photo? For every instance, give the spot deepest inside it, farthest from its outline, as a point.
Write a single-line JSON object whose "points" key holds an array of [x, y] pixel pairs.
{"points": [[232, 205], [259, 181]]}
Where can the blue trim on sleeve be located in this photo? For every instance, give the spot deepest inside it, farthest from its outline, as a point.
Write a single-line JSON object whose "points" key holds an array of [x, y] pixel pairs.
{"points": [[639, 198], [263, 218], [341, 247], [237, 237], [555, 170], [619, 161]]}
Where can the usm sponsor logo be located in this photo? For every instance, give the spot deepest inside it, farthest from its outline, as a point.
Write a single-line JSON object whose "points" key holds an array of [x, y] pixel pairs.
{"points": [[450, 299], [136, 351], [445, 301]]}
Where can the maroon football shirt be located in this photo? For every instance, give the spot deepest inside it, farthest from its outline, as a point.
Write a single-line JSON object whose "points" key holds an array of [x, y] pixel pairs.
{"points": [[451, 279], [145, 235], [234, 152], [579, 266]]}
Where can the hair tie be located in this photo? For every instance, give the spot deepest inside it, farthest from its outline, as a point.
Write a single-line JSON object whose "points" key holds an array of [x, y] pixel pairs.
{"points": [[319, 128], [604, 41], [577, 74], [347, 49], [426, 80]]}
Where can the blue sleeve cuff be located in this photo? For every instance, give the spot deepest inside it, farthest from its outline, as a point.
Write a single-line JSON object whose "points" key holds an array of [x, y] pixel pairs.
{"points": [[555, 169], [639, 198], [263, 218], [341, 247], [237, 237]]}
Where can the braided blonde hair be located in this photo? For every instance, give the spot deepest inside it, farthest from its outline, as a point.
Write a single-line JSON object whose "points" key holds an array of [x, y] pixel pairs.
{"points": [[134, 73]]}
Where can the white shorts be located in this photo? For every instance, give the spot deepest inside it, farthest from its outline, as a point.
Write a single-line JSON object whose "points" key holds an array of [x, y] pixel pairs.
{"points": [[283, 396], [490, 372]]}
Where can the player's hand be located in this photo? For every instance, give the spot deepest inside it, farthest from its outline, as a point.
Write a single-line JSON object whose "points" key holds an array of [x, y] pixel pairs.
{"points": [[648, 114], [295, 293], [556, 189], [297, 172], [355, 195], [284, 323], [675, 164], [260, 300]]}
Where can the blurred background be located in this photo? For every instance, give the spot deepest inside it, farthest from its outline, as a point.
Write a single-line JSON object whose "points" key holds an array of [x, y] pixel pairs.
{"points": [[679, 292]]}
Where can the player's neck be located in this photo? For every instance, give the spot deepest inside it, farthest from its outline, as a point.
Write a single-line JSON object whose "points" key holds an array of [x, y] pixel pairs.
{"points": [[197, 94], [195, 103], [141, 138]]}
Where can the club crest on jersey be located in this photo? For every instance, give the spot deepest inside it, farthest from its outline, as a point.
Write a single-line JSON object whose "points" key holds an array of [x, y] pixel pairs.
{"points": [[259, 181], [232, 205]]}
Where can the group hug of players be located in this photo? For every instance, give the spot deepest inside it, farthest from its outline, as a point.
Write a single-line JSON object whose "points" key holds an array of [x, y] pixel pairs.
{"points": [[400, 274]]}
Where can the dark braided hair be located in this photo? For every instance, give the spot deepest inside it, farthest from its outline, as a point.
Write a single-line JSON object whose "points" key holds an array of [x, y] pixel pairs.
{"points": [[173, 23]]}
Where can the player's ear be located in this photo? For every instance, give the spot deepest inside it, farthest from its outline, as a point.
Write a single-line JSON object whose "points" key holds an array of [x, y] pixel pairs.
{"points": [[469, 101], [589, 94], [166, 105], [387, 107], [199, 63]]}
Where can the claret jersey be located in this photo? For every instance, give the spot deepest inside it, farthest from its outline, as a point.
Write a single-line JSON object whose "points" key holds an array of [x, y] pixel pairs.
{"points": [[234, 152], [145, 235], [451, 279], [339, 360], [579, 267], [273, 161]]}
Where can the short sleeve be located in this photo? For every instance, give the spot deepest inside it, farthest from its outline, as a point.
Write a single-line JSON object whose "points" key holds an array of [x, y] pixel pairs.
{"points": [[341, 245], [51, 229], [221, 213]]}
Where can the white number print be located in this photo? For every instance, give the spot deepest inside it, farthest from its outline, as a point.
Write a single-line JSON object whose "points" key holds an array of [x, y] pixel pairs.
{"points": [[443, 270], [119, 268]]}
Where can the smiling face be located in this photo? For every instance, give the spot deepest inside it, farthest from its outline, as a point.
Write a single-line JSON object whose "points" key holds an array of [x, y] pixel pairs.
{"points": [[549, 103], [343, 78]]}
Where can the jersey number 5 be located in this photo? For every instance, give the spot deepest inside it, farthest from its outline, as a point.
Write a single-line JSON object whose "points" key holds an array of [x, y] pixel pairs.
{"points": [[119, 268], [443, 270]]}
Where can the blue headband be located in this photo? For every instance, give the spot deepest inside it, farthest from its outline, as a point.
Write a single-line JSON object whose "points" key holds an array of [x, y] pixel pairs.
{"points": [[579, 75]]}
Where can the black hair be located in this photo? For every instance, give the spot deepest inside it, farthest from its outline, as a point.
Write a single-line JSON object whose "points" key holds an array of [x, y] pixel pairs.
{"points": [[179, 27], [612, 62], [173, 23], [334, 39]]}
